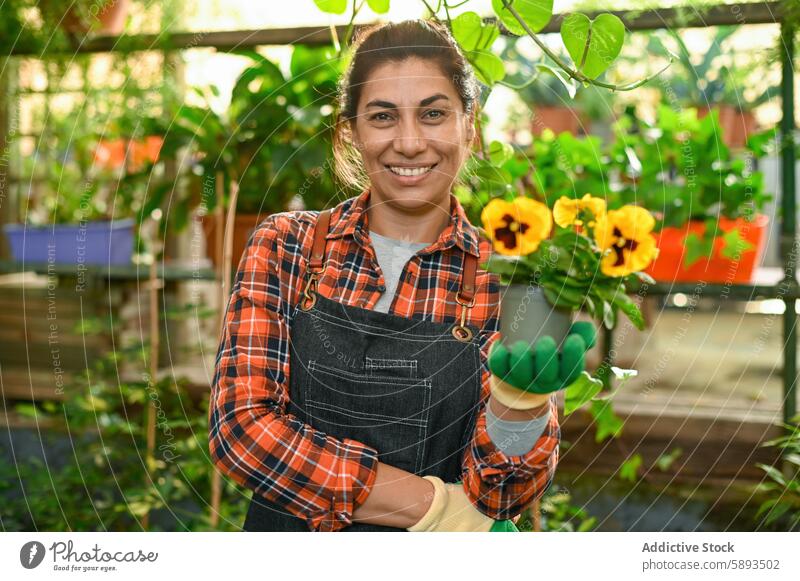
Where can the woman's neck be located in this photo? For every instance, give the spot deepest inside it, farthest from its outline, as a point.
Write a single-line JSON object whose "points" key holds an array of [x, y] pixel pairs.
{"points": [[415, 226]]}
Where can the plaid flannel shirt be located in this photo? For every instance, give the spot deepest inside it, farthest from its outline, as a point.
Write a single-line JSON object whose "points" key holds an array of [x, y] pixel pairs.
{"points": [[256, 443]]}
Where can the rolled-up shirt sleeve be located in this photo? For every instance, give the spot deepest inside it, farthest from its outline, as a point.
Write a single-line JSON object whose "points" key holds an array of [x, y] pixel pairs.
{"points": [[252, 438], [499, 485]]}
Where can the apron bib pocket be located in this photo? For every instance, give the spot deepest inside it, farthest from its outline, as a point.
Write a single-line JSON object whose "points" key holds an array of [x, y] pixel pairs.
{"points": [[345, 404]]}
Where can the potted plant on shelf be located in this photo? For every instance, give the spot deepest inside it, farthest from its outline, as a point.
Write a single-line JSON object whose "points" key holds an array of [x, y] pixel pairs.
{"points": [[707, 84], [82, 16], [75, 215], [579, 256], [272, 141], [707, 203], [544, 93]]}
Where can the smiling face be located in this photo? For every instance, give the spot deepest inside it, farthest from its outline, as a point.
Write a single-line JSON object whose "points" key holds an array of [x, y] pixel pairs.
{"points": [[412, 133]]}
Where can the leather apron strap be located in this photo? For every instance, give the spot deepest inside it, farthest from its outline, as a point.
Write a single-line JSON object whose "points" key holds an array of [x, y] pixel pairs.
{"points": [[316, 265]]}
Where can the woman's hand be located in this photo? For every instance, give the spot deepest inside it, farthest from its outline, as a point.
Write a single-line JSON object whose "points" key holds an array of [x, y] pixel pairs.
{"points": [[451, 511], [524, 377]]}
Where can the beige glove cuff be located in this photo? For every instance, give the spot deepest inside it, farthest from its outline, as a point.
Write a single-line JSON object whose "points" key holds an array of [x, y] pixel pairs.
{"points": [[514, 398], [431, 518]]}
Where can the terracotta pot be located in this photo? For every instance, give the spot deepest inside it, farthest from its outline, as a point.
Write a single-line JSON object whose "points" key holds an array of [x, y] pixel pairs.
{"points": [[244, 224], [736, 125], [668, 267], [110, 153], [558, 119], [106, 17], [525, 315]]}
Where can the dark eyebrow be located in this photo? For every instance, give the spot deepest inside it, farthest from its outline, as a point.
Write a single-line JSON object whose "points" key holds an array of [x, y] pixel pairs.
{"points": [[388, 105]]}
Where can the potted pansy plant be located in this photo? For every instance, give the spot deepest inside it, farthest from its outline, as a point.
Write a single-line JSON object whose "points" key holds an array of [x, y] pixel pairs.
{"points": [[551, 264]]}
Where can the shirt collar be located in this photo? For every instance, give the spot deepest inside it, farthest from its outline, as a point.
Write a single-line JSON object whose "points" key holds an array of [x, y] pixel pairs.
{"points": [[350, 218]]}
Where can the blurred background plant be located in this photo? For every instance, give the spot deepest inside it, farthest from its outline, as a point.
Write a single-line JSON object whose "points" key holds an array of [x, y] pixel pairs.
{"points": [[92, 474], [781, 508]]}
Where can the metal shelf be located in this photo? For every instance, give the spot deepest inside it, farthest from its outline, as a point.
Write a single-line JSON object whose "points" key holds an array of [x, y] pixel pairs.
{"points": [[166, 271]]}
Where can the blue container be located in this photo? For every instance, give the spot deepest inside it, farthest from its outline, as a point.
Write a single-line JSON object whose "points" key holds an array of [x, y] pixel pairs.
{"points": [[96, 243]]}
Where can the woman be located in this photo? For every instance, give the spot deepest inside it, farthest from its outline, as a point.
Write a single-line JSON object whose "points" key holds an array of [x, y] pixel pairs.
{"points": [[352, 378]]}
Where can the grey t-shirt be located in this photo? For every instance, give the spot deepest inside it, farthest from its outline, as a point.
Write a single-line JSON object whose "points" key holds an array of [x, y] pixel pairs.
{"points": [[513, 438], [392, 255]]}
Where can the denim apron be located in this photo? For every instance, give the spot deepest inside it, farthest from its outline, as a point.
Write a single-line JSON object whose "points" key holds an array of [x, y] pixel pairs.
{"points": [[408, 388]]}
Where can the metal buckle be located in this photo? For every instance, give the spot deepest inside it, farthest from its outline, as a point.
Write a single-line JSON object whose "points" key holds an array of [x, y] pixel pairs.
{"points": [[461, 331], [308, 295]]}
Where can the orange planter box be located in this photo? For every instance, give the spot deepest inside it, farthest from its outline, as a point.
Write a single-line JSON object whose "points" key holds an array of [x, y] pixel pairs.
{"points": [[668, 267]]}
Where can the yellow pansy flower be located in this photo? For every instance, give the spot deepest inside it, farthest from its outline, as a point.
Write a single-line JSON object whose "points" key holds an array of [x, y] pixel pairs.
{"points": [[627, 233], [566, 211], [518, 227]]}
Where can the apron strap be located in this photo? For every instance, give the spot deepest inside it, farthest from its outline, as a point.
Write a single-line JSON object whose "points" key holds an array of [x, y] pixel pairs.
{"points": [[467, 291], [318, 248], [315, 261], [465, 296]]}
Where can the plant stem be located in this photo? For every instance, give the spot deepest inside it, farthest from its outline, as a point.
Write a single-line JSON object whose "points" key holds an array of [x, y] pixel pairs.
{"points": [[578, 76]]}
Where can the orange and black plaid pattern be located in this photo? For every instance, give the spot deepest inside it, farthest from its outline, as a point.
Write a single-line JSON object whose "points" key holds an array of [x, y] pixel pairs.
{"points": [[312, 475]]}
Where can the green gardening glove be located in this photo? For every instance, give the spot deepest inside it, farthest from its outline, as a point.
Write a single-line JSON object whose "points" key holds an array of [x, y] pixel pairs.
{"points": [[543, 369], [504, 526]]}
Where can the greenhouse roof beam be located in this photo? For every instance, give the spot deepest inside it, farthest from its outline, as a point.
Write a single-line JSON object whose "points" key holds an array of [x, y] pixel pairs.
{"points": [[720, 15]]}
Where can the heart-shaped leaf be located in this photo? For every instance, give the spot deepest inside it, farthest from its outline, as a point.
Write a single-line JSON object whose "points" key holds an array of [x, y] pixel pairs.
{"points": [[476, 39], [607, 423], [488, 66], [535, 13], [472, 34], [593, 44], [580, 391], [500, 152], [379, 6], [332, 6]]}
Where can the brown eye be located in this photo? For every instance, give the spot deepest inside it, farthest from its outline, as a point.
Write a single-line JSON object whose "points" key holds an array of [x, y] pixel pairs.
{"points": [[376, 115], [439, 113]]}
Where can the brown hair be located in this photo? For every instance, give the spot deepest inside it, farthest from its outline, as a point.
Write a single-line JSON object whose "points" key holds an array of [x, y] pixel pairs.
{"points": [[394, 42]]}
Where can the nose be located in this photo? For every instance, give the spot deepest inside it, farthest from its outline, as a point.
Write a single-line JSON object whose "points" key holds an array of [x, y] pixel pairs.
{"points": [[409, 140]]}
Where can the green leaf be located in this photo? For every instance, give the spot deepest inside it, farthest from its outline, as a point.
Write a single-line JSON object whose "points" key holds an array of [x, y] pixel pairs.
{"points": [[777, 511], [593, 44], [26, 409], [697, 248], [500, 152], [630, 308], [630, 468], [609, 316], [666, 460], [734, 245], [488, 66], [332, 6], [773, 473], [379, 6], [535, 13], [580, 391], [471, 33], [606, 421], [476, 40], [569, 83]]}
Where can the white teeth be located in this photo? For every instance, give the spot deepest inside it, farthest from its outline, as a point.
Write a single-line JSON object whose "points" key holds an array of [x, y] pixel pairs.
{"points": [[410, 171]]}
